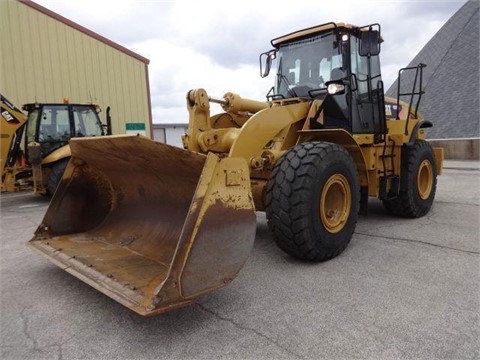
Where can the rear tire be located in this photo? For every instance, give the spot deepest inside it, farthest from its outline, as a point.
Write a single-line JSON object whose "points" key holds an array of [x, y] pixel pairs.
{"points": [[312, 201], [418, 182], [56, 175]]}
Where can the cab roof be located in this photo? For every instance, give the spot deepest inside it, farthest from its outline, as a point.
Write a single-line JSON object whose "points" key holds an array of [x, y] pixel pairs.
{"points": [[32, 106], [314, 30]]}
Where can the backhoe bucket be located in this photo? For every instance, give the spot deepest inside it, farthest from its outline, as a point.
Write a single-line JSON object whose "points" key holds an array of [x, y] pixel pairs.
{"points": [[150, 225]]}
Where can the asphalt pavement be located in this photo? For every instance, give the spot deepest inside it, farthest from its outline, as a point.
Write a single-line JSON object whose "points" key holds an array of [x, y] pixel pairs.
{"points": [[403, 289]]}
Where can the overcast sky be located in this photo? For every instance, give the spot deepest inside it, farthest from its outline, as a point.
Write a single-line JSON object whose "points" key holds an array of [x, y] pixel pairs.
{"points": [[215, 44]]}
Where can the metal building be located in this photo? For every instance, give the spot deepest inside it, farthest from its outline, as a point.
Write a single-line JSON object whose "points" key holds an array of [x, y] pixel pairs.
{"points": [[46, 58], [170, 134]]}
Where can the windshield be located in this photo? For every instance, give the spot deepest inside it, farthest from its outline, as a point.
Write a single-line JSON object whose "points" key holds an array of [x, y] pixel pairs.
{"points": [[86, 121], [307, 65], [55, 128]]}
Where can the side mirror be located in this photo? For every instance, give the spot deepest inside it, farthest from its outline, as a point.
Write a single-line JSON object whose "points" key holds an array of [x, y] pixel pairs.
{"points": [[369, 43], [267, 58]]}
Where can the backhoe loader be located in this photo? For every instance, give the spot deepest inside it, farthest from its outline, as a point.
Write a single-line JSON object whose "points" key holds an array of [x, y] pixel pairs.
{"points": [[155, 226], [39, 162]]}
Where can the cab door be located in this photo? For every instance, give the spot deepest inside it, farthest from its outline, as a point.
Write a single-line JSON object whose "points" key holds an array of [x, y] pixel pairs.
{"points": [[53, 128], [368, 110]]}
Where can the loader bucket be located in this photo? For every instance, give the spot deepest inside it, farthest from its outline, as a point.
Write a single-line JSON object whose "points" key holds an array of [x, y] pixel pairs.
{"points": [[150, 225]]}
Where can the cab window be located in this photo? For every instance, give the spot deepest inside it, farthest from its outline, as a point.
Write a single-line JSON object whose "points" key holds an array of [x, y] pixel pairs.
{"points": [[54, 130], [86, 122]]}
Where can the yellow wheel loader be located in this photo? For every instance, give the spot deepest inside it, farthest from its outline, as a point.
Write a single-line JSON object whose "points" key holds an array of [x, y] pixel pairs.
{"points": [[155, 226], [34, 147]]}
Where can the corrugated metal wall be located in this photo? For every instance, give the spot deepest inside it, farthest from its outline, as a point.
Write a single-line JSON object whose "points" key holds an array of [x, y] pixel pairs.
{"points": [[45, 60]]}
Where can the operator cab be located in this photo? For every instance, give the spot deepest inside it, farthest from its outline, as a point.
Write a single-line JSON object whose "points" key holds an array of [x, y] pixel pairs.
{"points": [[53, 125], [338, 63]]}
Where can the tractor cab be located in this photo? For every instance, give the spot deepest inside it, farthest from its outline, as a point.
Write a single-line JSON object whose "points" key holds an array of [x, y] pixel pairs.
{"points": [[53, 125], [338, 63]]}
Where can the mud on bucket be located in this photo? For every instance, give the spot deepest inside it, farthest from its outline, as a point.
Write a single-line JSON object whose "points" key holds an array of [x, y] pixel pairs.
{"points": [[150, 225]]}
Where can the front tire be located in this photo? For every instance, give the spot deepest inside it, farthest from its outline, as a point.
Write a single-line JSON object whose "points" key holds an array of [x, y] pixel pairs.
{"points": [[418, 182], [312, 201]]}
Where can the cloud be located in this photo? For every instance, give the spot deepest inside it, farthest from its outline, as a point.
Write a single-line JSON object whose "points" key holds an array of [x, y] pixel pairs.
{"points": [[183, 69], [214, 45]]}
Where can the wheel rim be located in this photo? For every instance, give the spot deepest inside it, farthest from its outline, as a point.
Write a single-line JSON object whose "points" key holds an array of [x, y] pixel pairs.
{"points": [[425, 179], [335, 203]]}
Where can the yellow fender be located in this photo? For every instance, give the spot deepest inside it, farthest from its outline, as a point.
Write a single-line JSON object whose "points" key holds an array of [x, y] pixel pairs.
{"points": [[264, 126]]}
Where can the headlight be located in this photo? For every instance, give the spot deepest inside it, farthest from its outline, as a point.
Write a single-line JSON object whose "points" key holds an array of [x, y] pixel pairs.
{"points": [[335, 88]]}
